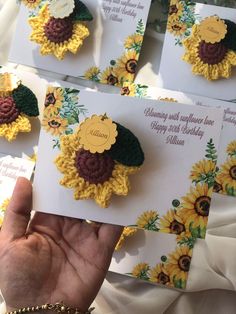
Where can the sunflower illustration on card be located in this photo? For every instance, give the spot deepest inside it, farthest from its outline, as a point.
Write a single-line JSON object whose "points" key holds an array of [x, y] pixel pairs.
{"points": [[157, 175], [202, 38], [168, 265], [94, 40]]}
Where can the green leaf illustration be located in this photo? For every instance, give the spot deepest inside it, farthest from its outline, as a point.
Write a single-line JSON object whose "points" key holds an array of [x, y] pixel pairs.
{"points": [[189, 241], [81, 12], [230, 190], [140, 28], [211, 152], [26, 101]]}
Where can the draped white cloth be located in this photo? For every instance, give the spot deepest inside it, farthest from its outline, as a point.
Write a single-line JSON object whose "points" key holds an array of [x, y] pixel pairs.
{"points": [[212, 280]]}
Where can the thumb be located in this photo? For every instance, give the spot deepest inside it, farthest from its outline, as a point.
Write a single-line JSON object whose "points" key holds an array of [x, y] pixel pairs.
{"points": [[17, 215]]}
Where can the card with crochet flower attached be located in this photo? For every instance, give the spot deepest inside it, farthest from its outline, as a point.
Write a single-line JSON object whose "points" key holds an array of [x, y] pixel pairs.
{"points": [[148, 151], [10, 169], [98, 40], [225, 181], [22, 95], [199, 53], [168, 265]]}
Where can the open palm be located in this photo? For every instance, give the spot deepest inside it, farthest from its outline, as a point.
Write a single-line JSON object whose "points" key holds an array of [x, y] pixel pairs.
{"points": [[52, 258]]}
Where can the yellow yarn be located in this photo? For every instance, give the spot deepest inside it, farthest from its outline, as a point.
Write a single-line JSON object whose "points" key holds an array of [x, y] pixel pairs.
{"points": [[3, 208], [118, 184], [209, 71], [80, 32], [127, 232], [10, 130]]}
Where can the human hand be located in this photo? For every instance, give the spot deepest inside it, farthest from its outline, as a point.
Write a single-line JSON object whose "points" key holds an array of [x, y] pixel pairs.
{"points": [[51, 258]]}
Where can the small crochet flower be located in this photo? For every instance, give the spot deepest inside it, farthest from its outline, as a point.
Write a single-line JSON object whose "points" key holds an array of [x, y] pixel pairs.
{"points": [[57, 36], [3, 208], [127, 233], [213, 61], [15, 108], [99, 175]]}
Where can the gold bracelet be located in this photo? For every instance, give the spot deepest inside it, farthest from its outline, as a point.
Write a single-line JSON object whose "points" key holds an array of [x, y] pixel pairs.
{"points": [[59, 307]]}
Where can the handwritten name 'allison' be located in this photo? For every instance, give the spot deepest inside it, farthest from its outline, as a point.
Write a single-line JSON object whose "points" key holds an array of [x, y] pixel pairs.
{"points": [[174, 140], [97, 133]]}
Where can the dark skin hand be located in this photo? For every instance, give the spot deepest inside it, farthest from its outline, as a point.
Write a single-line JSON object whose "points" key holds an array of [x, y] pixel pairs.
{"points": [[51, 258]]}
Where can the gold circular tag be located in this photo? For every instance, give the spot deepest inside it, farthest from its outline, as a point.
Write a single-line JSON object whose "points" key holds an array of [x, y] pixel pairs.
{"points": [[212, 29], [97, 134], [61, 8], [8, 82]]}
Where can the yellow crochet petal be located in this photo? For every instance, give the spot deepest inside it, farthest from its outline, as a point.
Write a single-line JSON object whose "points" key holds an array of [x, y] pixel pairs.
{"points": [[10, 131]]}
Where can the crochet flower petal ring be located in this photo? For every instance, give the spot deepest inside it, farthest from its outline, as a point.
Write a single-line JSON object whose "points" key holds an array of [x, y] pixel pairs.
{"points": [[57, 36], [98, 175], [213, 58], [17, 103]]}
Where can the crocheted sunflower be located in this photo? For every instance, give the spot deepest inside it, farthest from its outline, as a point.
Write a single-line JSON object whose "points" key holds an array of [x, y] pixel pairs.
{"points": [[56, 36], [98, 175], [17, 103], [211, 60]]}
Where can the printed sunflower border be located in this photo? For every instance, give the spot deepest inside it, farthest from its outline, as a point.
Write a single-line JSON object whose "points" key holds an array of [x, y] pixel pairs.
{"points": [[171, 271], [61, 112], [225, 182], [122, 69], [181, 19], [188, 216]]}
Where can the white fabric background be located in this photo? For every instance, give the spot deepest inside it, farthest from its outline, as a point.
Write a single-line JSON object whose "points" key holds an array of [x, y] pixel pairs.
{"points": [[212, 280]]}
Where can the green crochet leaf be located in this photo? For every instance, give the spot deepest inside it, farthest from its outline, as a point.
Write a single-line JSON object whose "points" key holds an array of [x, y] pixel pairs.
{"points": [[81, 12], [26, 101], [127, 149]]}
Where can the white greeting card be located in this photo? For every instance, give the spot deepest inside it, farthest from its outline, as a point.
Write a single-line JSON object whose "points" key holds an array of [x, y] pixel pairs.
{"points": [[157, 258], [226, 161], [164, 195], [10, 169], [108, 55], [182, 41]]}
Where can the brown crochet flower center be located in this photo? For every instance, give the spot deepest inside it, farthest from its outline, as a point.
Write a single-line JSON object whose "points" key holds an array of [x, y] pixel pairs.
{"points": [[8, 110], [58, 30], [94, 168], [212, 53]]}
